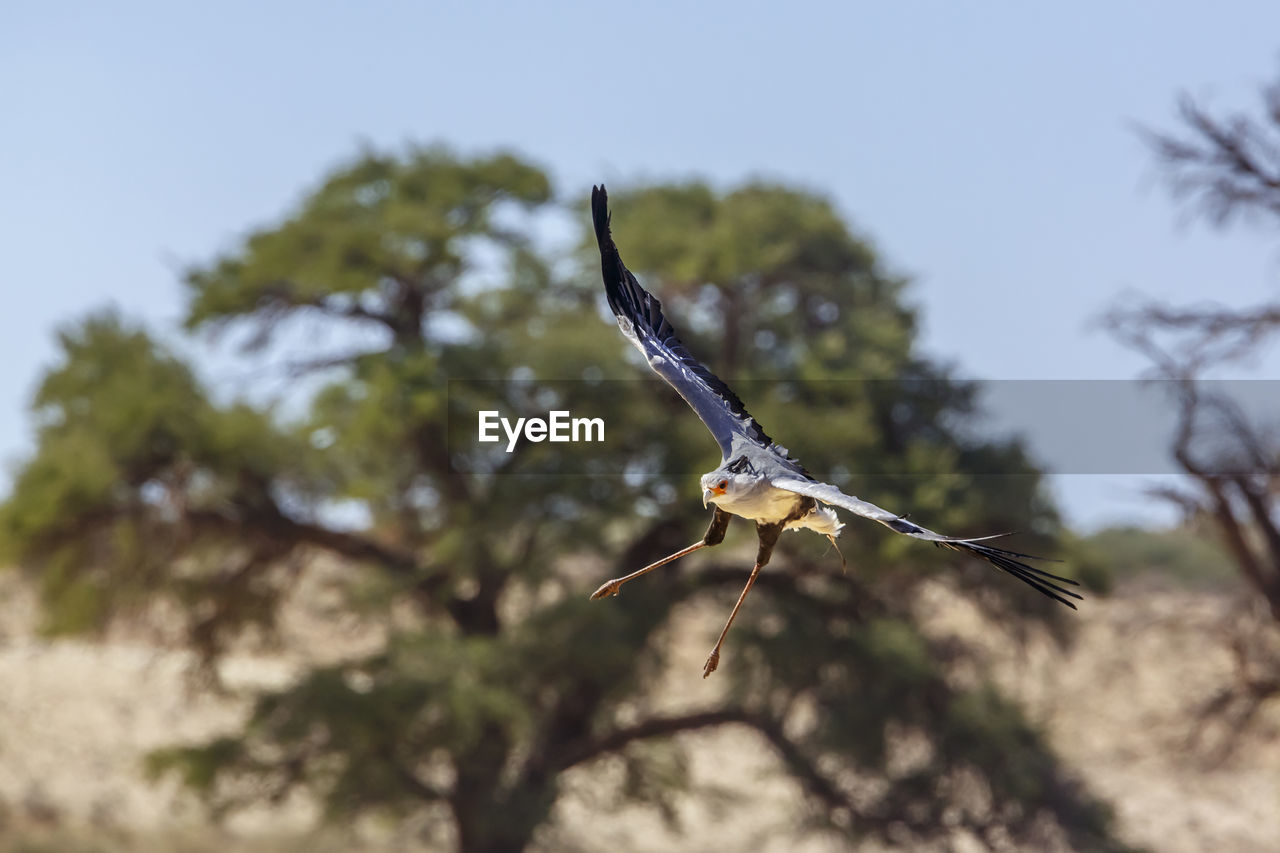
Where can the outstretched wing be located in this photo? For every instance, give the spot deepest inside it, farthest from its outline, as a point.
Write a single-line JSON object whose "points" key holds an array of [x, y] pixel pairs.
{"points": [[1008, 561], [641, 319]]}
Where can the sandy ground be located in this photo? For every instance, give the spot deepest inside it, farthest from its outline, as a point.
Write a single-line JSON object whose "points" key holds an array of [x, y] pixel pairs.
{"points": [[1122, 704], [76, 719]]}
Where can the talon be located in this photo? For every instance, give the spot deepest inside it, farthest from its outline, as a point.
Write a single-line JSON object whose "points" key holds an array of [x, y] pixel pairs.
{"points": [[606, 589], [712, 662]]}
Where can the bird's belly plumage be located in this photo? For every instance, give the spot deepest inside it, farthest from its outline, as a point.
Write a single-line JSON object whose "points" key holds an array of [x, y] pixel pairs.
{"points": [[772, 505], [764, 504]]}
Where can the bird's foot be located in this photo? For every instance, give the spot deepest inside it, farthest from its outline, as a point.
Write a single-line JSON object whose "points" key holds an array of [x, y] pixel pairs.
{"points": [[712, 662], [607, 589]]}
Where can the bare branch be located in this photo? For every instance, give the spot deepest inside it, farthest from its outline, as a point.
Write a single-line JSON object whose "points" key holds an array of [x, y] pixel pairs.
{"points": [[349, 545], [656, 727], [1229, 166]]}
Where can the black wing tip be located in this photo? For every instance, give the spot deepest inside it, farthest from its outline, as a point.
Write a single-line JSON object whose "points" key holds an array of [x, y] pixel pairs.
{"points": [[641, 309], [611, 266], [600, 212]]}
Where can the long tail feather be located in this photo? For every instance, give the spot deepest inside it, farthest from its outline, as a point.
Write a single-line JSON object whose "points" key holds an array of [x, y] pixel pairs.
{"points": [[1038, 579]]}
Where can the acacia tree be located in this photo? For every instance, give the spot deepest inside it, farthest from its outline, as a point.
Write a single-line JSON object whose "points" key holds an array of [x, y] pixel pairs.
{"points": [[497, 674], [1228, 169]]}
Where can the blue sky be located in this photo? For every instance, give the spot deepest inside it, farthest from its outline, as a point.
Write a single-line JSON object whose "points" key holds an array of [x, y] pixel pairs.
{"points": [[986, 149]]}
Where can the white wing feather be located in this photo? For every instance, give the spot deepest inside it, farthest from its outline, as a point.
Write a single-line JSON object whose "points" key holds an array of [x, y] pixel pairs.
{"points": [[1008, 561]]}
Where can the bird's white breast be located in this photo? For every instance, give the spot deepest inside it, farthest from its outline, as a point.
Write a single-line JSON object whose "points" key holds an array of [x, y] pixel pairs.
{"points": [[762, 504], [769, 504]]}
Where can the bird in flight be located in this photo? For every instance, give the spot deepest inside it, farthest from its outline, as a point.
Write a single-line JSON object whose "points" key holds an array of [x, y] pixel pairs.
{"points": [[757, 479]]}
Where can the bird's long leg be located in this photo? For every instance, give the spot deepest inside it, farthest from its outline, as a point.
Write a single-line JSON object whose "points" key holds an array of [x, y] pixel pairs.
{"points": [[768, 534], [609, 588], [714, 659], [713, 536]]}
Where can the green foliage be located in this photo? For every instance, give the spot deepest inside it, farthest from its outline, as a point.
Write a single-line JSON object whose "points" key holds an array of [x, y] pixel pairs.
{"points": [[199, 768], [1183, 555], [107, 415], [137, 469], [497, 674], [401, 226]]}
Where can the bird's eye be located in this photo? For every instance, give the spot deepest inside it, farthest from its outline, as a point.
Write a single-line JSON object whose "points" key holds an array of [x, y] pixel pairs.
{"points": [[724, 484]]}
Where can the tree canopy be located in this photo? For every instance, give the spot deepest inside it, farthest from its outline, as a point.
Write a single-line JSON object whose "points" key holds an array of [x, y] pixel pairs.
{"points": [[423, 294]]}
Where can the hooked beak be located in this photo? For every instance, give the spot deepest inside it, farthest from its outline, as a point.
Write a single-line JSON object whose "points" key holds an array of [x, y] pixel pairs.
{"points": [[708, 494]]}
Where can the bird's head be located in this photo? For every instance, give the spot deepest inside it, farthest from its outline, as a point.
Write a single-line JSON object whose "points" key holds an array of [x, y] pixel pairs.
{"points": [[725, 483]]}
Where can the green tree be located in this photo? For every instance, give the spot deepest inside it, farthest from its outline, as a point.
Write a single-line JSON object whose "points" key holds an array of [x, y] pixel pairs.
{"points": [[497, 674]]}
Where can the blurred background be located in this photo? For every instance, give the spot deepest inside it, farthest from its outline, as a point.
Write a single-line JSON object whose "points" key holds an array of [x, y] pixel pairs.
{"points": [[262, 595]]}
